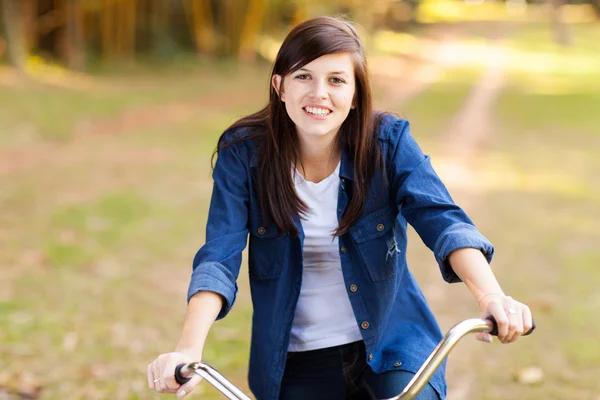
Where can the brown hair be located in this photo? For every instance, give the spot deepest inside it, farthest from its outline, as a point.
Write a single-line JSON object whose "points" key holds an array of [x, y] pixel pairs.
{"points": [[276, 135]]}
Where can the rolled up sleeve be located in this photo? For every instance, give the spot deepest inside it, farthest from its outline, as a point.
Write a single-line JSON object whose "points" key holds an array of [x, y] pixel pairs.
{"points": [[214, 277], [426, 203], [216, 265], [459, 236]]}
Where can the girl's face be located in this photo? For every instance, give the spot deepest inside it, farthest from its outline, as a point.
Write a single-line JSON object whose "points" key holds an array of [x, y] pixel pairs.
{"points": [[319, 96]]}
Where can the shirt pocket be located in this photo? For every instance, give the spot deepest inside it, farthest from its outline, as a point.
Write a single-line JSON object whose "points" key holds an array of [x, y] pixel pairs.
{"points": [[267, 250], [374, 235]]}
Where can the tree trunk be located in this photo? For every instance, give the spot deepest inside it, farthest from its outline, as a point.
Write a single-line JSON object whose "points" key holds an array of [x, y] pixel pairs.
{"points": [[200, 20], [29, 9], [72, 35], [301, 12], [129, 21], [107, 29], [252, 26], [15, 38], [160, 17]]}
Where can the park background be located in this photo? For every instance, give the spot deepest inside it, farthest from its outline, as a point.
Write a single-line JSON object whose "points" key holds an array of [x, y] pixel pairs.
{"points": [[110, 111]]}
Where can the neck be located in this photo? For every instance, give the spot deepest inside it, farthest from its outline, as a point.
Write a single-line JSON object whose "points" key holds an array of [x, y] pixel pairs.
{"points": [[319, 157]]}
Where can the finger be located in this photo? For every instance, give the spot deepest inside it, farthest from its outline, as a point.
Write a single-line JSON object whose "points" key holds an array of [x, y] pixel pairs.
{"points": [[170, 385], [517, 323], [514, 327], [167, 383], [527, 319], [155, 378], [497, 311], [150, 377], [187, 387], [484, 337]]}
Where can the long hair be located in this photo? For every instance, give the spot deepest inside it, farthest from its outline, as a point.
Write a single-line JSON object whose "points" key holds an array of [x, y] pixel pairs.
{"points": [[275, 132]]}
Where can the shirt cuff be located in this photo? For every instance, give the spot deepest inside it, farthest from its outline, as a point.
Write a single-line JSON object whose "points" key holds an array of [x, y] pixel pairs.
{"points": [[459, 236], [213, 277]]}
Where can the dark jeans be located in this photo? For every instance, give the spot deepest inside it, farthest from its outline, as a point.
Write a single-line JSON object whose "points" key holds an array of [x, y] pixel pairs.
{"points": [[342, 373]]}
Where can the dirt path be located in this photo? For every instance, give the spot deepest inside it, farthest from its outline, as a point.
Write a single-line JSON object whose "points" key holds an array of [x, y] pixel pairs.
{"points": [[402, 78], [471, 129], [473, 124]]}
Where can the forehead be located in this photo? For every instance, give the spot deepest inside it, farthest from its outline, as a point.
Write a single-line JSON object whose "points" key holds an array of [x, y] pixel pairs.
{"points": [[336, 62]]}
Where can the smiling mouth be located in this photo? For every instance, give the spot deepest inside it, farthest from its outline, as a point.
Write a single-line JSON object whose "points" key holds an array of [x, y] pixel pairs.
{"points": [[318, 111]]}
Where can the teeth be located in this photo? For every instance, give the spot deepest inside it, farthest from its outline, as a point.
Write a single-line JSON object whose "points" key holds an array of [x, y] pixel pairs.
{"points": [[321, 112]]}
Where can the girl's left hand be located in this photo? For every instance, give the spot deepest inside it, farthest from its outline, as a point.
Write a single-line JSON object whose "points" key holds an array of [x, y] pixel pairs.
{"points": [[513, 318]]}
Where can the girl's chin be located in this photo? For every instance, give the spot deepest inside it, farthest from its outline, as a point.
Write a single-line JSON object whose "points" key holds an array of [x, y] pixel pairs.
{"points": [[311, 131]]}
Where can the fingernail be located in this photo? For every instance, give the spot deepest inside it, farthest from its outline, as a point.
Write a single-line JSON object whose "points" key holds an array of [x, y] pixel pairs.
{"points": [[489, 339], [180, 394]]}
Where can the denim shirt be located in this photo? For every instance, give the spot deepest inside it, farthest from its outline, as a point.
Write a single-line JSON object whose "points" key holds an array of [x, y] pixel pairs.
{"points": [[397, 326]]}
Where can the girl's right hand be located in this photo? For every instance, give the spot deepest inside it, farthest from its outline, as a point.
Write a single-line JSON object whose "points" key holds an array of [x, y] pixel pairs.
{"points": [[161, 374]]}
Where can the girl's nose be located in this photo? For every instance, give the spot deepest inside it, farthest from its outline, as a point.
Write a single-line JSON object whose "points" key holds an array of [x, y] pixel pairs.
{"points": [[319, 90]]}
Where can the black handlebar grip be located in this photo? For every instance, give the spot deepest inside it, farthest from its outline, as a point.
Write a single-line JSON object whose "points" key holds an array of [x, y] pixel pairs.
{"points": [[494, 331], [180, 378]]}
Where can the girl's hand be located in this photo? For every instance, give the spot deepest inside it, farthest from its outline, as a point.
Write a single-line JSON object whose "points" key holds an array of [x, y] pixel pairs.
{"points": [[161, 374], [513, 318]]}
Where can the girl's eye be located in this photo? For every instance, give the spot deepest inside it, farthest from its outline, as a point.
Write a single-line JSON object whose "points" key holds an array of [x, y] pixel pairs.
{"points": [[302, 76], [337, 80]]}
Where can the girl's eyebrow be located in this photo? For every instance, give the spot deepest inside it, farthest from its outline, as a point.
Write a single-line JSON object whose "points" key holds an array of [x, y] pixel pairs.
{"points": [[333, 73]]}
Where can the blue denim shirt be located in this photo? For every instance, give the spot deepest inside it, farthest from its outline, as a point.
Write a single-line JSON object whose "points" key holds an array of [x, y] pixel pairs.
{"points": [[396, 324]]}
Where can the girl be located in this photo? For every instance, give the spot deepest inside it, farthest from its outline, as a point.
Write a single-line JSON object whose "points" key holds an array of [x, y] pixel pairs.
{"points": [[325, 188]]}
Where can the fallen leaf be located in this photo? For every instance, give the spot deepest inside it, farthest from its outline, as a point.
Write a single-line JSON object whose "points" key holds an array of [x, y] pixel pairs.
{"points": [[530, 376]]}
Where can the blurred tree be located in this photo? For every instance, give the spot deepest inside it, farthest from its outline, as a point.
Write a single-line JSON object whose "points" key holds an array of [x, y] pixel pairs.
{"points": [[127, 10], [107, 28], [302, 11], [230, 24], [252, 26], [71, 35], [14, 33], [29, 12], [199, 14]]}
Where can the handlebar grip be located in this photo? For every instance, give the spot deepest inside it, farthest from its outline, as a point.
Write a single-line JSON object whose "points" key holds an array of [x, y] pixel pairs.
{"points": [[179, 377], [494, 331]]}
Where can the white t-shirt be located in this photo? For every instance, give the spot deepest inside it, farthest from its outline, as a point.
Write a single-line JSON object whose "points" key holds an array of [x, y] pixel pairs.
{"points": [[323, 316]]}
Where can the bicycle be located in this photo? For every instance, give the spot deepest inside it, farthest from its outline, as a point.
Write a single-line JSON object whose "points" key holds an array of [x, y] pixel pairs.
{"points": [[457, 332]]}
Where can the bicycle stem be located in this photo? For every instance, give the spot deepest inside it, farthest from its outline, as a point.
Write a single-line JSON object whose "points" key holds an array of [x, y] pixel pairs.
{"points": [[441, 351]]}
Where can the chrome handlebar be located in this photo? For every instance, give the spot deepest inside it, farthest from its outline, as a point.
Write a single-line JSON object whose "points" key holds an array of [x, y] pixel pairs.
{"points": [[183, 371]]}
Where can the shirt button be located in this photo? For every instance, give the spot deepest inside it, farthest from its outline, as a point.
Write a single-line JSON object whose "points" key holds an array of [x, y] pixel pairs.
{"points": [[343, 249], [370, 357], [364, 325], [397, 364], [261, 230], [380, 227], [353, 288], [343, 180]]}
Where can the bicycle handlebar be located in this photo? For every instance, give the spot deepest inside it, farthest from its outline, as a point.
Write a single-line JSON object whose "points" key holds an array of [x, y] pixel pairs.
{"points": [[184, 371]]}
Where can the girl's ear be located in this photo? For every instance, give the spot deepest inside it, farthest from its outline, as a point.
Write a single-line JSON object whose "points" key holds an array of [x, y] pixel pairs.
{"points": [[276, 82]]}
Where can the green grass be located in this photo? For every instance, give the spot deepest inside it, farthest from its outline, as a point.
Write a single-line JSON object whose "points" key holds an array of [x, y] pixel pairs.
{"points": [[54, 110], [560, 91], [431, 111]]}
